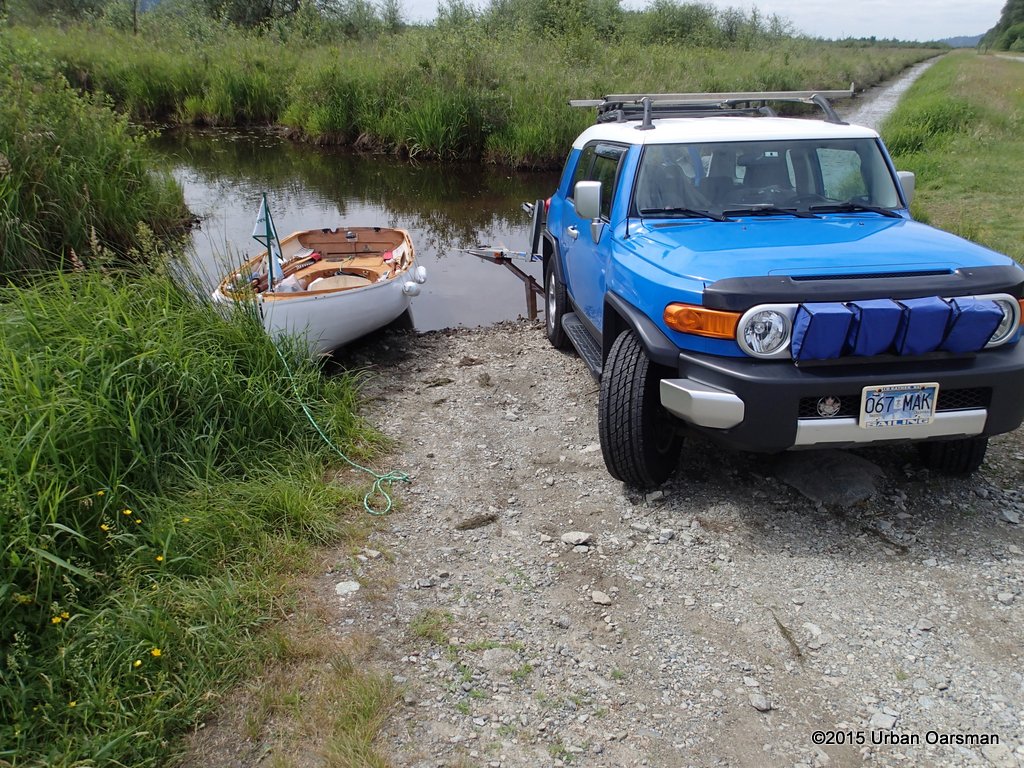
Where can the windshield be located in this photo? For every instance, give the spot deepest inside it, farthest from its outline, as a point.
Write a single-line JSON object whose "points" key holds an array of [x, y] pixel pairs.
{"points": [[816, 176]]}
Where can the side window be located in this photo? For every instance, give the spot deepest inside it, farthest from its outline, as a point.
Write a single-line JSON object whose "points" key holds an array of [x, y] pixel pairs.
{"points": [[583, 165], [841, 173], [606, 170]]}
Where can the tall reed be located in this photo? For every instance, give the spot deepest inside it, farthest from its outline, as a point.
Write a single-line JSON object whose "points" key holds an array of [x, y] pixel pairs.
{"points": [[72, 172], [157, 473], [461, 91]]}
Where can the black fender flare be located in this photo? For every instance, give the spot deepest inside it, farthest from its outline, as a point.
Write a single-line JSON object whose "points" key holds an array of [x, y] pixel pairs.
{"points": [[620, 315], [550, 243]]}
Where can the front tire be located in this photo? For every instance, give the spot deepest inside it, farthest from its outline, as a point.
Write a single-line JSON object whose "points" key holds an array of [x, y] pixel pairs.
{"points": [[555, 303], [638, 439], [954, 457]]}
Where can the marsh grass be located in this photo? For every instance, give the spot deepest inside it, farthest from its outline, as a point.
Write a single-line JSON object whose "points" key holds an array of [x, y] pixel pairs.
{"points": [[73, 174], [162, 489], [959, 128], [450, 92]]}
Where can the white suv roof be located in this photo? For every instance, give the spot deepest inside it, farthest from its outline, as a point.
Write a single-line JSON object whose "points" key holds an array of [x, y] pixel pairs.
{"points": [[685, 130]]}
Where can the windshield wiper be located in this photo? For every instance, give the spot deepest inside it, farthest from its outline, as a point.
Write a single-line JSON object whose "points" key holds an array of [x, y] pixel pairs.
{"points": [[767, 209], [850, 206], [688, 212]]}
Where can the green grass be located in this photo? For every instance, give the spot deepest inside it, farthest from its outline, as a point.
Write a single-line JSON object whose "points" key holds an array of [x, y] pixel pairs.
{"points": [[459, 92], [959, 128], [161, 491], [73, 174]]}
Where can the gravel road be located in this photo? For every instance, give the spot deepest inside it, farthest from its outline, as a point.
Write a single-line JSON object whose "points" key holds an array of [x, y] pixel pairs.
{"points": [[535, 613]]}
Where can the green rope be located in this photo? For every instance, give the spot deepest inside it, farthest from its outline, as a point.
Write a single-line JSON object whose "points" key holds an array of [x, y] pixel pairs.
{"points": [[379, 480]]}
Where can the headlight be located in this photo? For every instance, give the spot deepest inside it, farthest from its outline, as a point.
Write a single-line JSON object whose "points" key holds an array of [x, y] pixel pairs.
{"points": [[1010, 322], [765, 331]]}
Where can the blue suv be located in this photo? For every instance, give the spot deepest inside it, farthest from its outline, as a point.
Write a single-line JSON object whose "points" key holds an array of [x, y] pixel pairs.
{"points": [[759, 279]]}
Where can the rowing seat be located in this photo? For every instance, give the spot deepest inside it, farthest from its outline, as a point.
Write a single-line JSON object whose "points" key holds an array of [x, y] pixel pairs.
{"points": [[338, 283]]}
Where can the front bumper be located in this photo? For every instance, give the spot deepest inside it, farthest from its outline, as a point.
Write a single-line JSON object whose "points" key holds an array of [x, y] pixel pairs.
{"points": [[761, 405]]}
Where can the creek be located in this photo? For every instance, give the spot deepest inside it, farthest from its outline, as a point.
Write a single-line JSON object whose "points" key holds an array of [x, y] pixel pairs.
{"points": [[224, 172]]}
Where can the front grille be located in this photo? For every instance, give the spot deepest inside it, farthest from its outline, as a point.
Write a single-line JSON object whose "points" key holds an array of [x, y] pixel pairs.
{"points": [[961, 399], [949, 400]]}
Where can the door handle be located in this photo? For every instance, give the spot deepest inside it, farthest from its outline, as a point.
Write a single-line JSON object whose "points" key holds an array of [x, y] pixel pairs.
{"points": [[572, 232]]}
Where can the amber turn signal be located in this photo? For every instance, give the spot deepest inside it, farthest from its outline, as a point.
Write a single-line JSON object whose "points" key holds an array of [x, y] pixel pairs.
{"points": [[1021, 302], [701, 321]]}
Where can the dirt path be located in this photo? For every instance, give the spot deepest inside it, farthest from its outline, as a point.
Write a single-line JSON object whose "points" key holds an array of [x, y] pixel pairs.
{"points": [[541, 616]]}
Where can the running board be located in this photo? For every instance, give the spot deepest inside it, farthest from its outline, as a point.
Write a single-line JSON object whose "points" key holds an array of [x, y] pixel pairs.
{"points": [[586, 347]]}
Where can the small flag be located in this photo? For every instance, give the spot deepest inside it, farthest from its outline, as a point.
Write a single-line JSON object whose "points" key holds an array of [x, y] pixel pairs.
{"points": [[263, 232]]}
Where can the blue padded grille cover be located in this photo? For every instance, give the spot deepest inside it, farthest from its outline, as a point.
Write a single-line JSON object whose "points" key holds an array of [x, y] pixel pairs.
{"points": [[819, 330], [972, 324], [922, 325], [874, 326]]}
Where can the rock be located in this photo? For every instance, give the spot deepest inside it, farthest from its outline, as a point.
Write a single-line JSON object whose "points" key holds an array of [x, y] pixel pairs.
{"points": [[833, 478], [423, 583], [654, 496], [929, 562], [498, 659], [924, 625], [600, 597], [1009, 516], [813, 629], [760, 702], [562, 621], [1005, 597], [999, 755], [881, 721], [581, 548], [576, 538], [667, 533], [373, 554], [751, 682], [346, 588]]}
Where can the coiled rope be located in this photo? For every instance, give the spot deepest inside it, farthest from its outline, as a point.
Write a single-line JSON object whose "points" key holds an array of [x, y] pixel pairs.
{"points": [[379, 480]]}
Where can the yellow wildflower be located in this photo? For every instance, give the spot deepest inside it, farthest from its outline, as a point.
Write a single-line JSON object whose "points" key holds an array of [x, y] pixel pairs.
{"points": [[137, 663], [65, 615], [155, 653], [56, 620], [72, 703], [138, 521], [159, 558], [186, 519], [101, 493], [104, 527], [126, 512]]}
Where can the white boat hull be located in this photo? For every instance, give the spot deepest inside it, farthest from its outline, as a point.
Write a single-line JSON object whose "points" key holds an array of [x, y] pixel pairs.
{"points": [[331, 320]]}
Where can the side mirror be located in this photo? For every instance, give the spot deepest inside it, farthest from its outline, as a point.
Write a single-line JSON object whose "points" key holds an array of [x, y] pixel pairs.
{"points": [[908, 181], [587, 197]]}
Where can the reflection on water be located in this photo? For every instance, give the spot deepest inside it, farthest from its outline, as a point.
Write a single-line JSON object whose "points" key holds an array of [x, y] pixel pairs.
{"points": [[224, 173]]}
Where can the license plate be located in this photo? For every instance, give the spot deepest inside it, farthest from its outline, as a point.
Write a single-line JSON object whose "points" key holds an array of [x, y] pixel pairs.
{"points": [[898, 405]]}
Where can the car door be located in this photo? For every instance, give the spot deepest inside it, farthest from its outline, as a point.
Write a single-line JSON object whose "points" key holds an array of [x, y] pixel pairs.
{"points": [[586, 261]]}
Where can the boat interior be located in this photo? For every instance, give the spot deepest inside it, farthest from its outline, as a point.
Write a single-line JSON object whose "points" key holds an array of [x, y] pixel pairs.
{"points": [[326, 260]]}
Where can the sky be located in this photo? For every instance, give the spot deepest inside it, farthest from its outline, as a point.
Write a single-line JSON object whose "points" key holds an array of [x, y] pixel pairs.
{"points": [[905, 20]]}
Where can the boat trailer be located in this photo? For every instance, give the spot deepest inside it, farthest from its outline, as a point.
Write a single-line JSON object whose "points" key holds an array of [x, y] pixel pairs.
{"points": [[507, 258]]}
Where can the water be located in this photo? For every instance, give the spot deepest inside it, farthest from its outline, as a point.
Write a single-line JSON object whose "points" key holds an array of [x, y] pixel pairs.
{"points": [[871, 108], [223, 174]]}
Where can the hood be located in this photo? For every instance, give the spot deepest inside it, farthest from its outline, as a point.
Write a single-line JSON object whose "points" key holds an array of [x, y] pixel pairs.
{"points": [[782, 245]]}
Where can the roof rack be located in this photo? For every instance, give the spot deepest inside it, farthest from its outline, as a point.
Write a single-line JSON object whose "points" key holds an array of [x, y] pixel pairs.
{"points": [[621, 107]]}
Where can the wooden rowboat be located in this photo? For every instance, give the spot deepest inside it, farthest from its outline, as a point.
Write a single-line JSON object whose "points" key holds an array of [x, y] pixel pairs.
{"points": [[334, 286]]}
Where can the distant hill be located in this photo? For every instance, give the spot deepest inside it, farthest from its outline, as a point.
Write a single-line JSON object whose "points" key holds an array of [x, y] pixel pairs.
{"points": [[963, 41]]}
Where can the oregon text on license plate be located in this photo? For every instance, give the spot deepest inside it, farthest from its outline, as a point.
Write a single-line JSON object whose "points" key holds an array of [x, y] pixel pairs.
{"points": [[898, 405]]}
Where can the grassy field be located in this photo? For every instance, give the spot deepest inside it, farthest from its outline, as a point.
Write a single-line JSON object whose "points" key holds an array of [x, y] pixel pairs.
{"points": [[960, 128], [448, 93]]}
